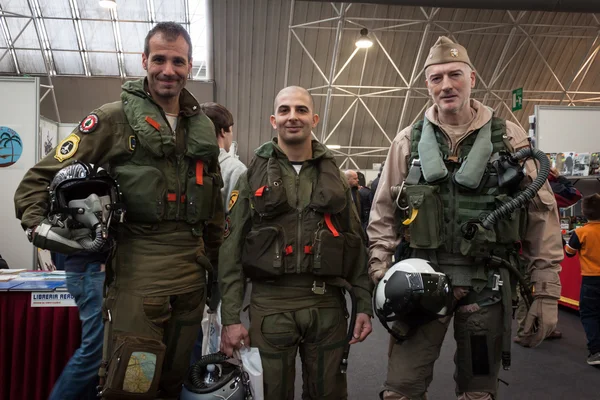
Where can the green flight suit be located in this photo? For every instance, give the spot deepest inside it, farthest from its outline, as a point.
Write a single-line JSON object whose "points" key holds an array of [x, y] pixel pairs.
{"points": [[286, 315], [168, 240]]}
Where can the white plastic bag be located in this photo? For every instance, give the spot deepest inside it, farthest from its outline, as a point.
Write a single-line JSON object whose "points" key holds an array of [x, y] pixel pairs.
{"points": [[211, 329], [251, 363]]}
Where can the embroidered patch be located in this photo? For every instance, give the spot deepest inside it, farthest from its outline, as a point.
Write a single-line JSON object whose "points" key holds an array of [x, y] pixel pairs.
{"points": [[89, 124], [227, 229], [132, 142], [67, 148], [232, 199]]}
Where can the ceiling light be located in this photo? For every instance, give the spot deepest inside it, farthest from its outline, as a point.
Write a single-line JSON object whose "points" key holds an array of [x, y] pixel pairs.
{"points": [[363, 41], [111, 4], [334, 146]]}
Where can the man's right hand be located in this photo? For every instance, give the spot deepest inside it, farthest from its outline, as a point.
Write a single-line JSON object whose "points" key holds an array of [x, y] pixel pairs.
{"points": [[234, 337]]}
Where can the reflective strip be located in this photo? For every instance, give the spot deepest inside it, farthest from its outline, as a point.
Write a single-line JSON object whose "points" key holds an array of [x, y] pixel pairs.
{"points": [[199, 172], [152, 122], [330, 225]]}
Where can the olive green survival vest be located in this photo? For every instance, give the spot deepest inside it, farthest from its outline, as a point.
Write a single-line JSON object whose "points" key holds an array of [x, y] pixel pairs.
{"points": [[445, 207], [158, 184], [289, 240]]}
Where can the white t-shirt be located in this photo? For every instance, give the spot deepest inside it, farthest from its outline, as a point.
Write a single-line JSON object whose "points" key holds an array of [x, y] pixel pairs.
{"points": [[172, 120]]}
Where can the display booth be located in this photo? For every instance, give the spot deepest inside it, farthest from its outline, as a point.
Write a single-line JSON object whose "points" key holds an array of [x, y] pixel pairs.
{"points": [[569, 136], [38, 334]]}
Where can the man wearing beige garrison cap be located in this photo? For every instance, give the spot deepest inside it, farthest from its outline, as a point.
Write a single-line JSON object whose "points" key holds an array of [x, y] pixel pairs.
{"points": [[429, 160]]}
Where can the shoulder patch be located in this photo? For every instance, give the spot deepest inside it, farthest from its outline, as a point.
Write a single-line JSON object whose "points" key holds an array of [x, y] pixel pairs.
{"points": [[227, 229], [131, 142], [232, 199], [89, 124], [67, 148]]}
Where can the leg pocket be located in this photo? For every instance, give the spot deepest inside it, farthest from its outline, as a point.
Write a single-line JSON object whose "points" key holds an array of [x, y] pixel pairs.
{"points": [[157, 310], [134, 368]]}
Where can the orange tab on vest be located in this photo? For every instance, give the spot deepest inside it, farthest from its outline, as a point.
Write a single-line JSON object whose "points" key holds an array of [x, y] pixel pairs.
{"points": [[199, 172], [288, 250], [330, 225], [152, 122], [307, 249], [259, 191], [171, 197]]}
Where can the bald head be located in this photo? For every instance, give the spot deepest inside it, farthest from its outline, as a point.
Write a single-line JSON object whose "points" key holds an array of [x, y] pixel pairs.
{"points": [[294, 90], [352, 178]]}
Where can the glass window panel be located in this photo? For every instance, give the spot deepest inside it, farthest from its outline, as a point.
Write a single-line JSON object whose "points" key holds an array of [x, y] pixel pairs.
{"points": [[99, 35], [133, 35], [3, 41], [170, 10], [28, 38], [61, 34], [68, 63], [103, 64], [55, 8], [133, 65], [7, 64], [92, 9], [133, 10], [31, 61], [16, 6], [198, 29]]}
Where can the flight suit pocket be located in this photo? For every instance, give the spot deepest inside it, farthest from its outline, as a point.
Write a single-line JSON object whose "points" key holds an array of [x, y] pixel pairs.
{"points": [[144, 191], [270, 201], [328, 253], [134, 368], [352, 252], [426, 228], [509, 229], [200, 198], [263, 252]]}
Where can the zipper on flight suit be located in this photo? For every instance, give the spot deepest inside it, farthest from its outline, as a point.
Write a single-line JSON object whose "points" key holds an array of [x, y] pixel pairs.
{"points": [[299, 224]]}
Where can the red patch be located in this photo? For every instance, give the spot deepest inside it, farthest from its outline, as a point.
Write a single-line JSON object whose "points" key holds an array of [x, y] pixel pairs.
{"points": [[152, 122]]}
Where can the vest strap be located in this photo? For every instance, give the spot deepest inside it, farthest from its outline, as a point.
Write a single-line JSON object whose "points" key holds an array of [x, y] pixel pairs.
{"points": [[172, 197], [259, 191], [330, 225], [199, 172]]}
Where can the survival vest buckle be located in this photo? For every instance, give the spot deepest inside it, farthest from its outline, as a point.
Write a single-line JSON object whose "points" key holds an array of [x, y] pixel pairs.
{"points": [[497, 282], [318, 289]]}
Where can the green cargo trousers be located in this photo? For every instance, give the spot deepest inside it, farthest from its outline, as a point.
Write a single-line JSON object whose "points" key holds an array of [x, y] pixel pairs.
{"points": [[319, 334], [174, 320], [478, 335]]}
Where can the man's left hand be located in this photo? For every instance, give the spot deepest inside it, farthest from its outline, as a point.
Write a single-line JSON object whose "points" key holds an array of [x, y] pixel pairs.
{"points": [[540, 322], [362, 328]]}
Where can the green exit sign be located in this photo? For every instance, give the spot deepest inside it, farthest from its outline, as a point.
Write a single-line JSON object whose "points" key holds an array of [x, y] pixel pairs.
{"points": [[517, 99]]}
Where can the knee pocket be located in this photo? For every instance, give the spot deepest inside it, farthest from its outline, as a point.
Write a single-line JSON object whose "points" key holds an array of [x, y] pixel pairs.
{"points": [[134, 367]]}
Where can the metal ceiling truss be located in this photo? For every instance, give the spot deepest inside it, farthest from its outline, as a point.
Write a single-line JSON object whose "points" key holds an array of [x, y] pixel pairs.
{"points": [[42, 36], [427, 26]]}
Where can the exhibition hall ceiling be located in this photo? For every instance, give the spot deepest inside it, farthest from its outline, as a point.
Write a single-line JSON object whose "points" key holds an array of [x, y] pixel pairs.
{"points": [[366, 96], [79, 37]]}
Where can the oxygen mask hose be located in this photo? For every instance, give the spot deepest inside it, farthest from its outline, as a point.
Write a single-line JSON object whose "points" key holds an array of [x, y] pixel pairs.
{"points": [[527, 194], [96, 244]]}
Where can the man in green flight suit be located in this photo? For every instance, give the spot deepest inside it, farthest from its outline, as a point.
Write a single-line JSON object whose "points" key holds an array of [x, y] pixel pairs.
{"points": [[162, 151], [293, 231]]}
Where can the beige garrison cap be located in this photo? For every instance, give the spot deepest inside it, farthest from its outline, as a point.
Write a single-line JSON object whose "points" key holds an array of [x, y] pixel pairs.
{"points": [[446, 51]]}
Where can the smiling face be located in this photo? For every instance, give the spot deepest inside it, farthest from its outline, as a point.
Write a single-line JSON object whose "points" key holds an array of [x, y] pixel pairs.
{"points": [[294, 116], [449, 86], [167, 66]]}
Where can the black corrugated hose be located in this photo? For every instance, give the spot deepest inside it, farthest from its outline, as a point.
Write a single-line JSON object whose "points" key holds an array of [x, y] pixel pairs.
{"points": [[527, 194]]}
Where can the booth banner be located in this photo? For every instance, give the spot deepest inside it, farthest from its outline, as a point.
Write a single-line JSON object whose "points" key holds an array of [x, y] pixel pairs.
{"points": [[52, 299]]}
